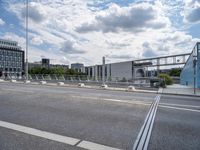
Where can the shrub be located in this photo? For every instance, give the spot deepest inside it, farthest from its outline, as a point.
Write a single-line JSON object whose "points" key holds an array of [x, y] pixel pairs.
{"points": [[166, 79]]}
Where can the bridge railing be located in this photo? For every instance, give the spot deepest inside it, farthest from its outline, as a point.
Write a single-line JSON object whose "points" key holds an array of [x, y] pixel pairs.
{"points": [[121, 81]]}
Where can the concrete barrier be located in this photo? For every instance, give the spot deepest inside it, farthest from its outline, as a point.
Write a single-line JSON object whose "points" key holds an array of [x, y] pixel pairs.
{"points": [[27, 81], [81, 84], [1, 80], [104, 86], [43, 82], [131, 88], [60, 83], [12, 80]]}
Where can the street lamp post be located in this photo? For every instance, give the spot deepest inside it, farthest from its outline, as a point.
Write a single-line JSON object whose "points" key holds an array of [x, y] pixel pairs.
{"points": [[103, 70], [194, 66], [27, 12]]}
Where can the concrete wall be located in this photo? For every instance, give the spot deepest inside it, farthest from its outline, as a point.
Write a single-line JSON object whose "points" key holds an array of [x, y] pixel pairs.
{"points": [[121, 70]]}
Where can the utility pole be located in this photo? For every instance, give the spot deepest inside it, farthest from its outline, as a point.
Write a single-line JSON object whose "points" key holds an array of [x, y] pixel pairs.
{"points": [[103, 70], [194, 66], [27, 12]]}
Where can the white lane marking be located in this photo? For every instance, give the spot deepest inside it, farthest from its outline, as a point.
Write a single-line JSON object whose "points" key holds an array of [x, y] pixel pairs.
{"points": [[169, 104], [178, 108], [142, 140], [128, 102], [94, 146], [39, 133], [55, 137], [115, 100]]}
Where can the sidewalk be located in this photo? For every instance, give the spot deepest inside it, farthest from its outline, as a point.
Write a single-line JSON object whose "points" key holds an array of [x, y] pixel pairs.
{"points": [[180, 90]]}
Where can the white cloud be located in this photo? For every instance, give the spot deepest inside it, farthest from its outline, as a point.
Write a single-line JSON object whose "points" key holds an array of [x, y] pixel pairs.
{"points": [[36, 40], [69, 47], [122, 31], [135, 18], [36, 12], [2, 22], [192, 11]]}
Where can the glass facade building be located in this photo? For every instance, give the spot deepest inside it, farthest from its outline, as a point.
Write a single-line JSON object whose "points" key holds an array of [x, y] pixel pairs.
{"points": [[11, 58], [190, 74]]}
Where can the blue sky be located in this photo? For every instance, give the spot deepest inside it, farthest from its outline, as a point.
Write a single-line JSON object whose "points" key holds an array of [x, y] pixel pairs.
{"points": [[85, 30]]}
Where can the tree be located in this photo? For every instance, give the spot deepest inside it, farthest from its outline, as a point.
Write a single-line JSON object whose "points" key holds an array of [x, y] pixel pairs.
{"points": [[166, 79], [175, 72]]}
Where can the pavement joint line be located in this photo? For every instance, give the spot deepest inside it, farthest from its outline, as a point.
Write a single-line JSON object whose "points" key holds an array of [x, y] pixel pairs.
{"points": [[178, 108], [78, 142], [143, 137], [55, 137]]}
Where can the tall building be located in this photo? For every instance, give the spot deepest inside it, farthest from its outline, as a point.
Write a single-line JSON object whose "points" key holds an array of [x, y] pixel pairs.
{"points": [[45, 62], [11, 58], [190, 74], [78, 67]]}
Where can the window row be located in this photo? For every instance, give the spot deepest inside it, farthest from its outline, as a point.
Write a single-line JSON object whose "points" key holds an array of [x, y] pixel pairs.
{"points": [[10, 53], [8, 43], [7, 58], [11, 69], [12, 64]]}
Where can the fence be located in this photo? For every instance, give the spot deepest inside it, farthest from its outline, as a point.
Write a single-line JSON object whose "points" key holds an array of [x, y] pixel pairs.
{"points": [[112, 81]]}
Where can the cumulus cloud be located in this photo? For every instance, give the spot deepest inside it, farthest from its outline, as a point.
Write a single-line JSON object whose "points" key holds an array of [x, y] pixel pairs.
{"points": [[134, 18], [36, 41], [69, 47], [120, 56], [2, 22], [192, 11], [127, 28], [36, 12], [148, 50]]}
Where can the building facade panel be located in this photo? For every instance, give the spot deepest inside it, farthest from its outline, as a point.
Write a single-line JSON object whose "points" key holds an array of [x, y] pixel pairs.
{"points": [[11, 58], [122, 70], [191, 72]]}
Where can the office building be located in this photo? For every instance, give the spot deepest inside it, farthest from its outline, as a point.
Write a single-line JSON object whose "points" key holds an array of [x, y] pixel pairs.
{"points": [[78, 67], [121, 71], [11, 58], [45, 62]]}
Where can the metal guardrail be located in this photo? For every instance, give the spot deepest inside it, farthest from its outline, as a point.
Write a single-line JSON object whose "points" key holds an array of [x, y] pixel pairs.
{"points": [[141, 82]]}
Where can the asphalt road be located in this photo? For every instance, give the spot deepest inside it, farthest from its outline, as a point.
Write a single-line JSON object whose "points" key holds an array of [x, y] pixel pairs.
{"points": [[177, 127], [103, 117]]}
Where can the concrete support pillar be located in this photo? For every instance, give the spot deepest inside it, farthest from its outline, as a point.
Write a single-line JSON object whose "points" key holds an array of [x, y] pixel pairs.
{"points": [[158, 66], [103, 70], [96, 73], [174, 60]]}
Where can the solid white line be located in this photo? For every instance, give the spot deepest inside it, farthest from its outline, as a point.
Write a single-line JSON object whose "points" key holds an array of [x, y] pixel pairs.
{"points": [[128, 101], [115, 100], [55, 137], [142, 140], [193, 110], [39, 133], [94, 146], [169, 104]]}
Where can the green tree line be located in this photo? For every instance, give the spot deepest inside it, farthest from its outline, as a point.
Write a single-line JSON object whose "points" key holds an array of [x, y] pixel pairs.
{"points": [[58, 71]]}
